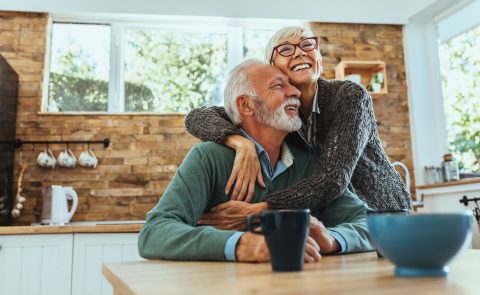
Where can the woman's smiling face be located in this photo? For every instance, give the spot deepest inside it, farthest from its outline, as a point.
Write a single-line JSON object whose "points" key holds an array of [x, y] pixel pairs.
{"points": [[302, 67]]}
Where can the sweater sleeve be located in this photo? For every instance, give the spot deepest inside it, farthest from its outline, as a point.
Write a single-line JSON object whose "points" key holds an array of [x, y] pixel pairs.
{"points": [[171, 230], [210, 124], [350, 130]]}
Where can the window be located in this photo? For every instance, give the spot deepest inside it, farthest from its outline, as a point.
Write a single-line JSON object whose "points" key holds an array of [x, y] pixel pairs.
{"points": [[170, 71], [460, 68], [117, 66], [79, 68]]}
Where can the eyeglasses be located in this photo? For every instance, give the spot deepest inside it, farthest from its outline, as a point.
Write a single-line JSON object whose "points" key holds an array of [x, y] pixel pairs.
{"points": [[307, 44]]}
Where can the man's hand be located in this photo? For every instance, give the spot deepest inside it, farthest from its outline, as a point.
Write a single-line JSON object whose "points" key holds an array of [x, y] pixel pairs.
{"points": [[319, 233], [252, 248], [312, 251], [231, 215]]}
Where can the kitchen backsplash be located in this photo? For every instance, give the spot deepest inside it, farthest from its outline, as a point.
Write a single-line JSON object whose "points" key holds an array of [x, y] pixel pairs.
{"points": [[145, 150]]}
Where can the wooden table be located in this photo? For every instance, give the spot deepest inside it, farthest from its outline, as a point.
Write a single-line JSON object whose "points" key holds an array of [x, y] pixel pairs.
{"points": [[342, 274]]}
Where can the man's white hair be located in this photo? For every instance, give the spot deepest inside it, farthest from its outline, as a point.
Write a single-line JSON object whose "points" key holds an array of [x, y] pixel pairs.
{"points": [[283, 35], [238, 84]]}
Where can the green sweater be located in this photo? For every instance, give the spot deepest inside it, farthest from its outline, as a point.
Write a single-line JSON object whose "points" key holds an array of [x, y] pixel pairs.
{"points": [[171, 230]]}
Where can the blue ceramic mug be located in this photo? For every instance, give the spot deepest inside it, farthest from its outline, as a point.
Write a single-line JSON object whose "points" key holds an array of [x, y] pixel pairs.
{"points": [[286, 233]]}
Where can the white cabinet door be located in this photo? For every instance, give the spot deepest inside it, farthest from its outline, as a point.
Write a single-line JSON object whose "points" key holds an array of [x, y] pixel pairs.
{"points": [[36, 264], [90, 251], [447, 199]]}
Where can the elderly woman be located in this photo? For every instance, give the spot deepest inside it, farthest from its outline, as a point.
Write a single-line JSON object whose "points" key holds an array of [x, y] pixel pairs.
{"points": [[338, 125]]}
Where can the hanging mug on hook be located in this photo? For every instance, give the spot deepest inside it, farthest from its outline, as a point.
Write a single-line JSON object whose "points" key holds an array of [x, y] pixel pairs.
{"points": [[67, 159], [46, 159], [88, 159]]}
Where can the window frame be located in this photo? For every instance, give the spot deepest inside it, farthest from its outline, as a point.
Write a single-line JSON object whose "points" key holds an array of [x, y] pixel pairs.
{"points": [[233, 28]]}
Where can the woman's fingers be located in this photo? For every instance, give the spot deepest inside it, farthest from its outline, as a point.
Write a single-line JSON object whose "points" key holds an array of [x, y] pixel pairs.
{"points": [[260, 177], [240, 187], [246, 172], [231, 180], [251, 191]]}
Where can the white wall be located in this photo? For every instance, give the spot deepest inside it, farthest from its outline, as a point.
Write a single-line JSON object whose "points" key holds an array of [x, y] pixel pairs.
{"points": [[427, 120], [427, 117], [467, 17], [348, 11]]}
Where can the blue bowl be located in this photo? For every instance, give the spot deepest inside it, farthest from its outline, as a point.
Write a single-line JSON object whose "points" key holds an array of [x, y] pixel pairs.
{"points": [[420, 245]]}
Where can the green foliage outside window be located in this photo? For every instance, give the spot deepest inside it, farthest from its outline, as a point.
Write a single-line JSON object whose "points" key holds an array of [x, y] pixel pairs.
{"points": [[460, 65], [182, 70], [164, 71]]}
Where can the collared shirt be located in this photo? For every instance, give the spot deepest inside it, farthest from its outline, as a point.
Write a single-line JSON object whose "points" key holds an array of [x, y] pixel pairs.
{"points": [[285, 161], [308, 132]]}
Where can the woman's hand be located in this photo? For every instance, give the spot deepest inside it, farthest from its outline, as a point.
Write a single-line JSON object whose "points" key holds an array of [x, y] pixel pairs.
{"points": [[231, 215], [246, 169]]}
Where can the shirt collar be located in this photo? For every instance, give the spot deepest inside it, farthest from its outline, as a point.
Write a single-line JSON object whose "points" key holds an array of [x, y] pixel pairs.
{"points": [[285, 161], [315, 108]]}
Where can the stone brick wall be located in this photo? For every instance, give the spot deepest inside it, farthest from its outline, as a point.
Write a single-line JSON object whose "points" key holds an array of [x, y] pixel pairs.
{"points": [[146, 149]]}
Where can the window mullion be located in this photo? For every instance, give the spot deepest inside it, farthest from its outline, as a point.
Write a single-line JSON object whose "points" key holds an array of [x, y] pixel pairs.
{"points": [[235, 47], [116, 101]]}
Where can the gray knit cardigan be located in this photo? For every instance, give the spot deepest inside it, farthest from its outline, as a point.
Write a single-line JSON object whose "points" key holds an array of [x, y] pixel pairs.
{"points": [[348, 144]]}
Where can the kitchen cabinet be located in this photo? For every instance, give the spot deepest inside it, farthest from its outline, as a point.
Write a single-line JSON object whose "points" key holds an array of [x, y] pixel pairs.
{"points": [[91, 250], [50, 260], [445, 197], [36, 264]]}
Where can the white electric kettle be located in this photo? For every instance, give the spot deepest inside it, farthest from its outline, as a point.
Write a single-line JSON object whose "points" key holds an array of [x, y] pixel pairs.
{"points": [[55, 206]]}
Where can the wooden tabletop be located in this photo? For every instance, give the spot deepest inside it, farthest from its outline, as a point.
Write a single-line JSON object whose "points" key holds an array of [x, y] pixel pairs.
{"points": [[362, 273]]}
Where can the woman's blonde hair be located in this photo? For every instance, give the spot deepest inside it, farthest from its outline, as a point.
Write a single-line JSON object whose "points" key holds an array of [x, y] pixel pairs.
{"points": [[284, 34]]}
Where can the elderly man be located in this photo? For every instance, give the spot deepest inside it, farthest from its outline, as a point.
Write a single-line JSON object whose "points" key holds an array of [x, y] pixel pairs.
{"points": [[260, 99]]}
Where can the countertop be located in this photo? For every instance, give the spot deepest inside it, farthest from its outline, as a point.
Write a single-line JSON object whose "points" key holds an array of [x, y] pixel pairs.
{"points": [[75, 227], [451, 183]]}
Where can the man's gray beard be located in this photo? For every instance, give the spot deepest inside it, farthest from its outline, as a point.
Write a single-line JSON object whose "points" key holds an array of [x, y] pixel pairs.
{"points": [[278, 119]]}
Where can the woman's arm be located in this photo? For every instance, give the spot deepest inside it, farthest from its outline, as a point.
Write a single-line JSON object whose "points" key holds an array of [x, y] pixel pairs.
{"points": [[210, 124], [213, 124], [345, 141]]}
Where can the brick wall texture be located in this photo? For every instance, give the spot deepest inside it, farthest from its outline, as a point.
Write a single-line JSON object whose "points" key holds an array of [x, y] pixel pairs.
{"points": [[146, 149]]}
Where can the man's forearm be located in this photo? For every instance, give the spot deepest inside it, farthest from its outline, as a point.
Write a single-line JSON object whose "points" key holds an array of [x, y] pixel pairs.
{"points": [[165, 238]]}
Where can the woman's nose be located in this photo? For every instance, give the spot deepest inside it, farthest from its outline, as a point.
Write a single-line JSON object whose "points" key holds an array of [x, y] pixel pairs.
{"points": [[298, 52]]}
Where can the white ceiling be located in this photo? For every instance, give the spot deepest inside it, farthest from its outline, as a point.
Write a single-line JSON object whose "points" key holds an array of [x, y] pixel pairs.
{"points": [[345, 11]]}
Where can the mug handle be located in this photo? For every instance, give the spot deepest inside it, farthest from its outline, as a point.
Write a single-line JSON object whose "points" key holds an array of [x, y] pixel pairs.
{"points": [[69, 151], [50, 153], [90, 152], [251, 227]]}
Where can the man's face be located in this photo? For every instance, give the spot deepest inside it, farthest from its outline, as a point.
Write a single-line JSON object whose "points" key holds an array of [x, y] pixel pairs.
{"points": [[276, 104]]}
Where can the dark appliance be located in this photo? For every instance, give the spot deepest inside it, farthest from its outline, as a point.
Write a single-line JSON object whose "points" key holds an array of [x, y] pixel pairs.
{"points": [[8, 118]]}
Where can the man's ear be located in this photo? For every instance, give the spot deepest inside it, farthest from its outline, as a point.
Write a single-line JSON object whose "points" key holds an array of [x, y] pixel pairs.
{"points": [[245, 105]]}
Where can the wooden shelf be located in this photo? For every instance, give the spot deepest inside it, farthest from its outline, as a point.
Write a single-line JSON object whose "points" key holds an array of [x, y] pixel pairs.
{"points": [[366, 69]]}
